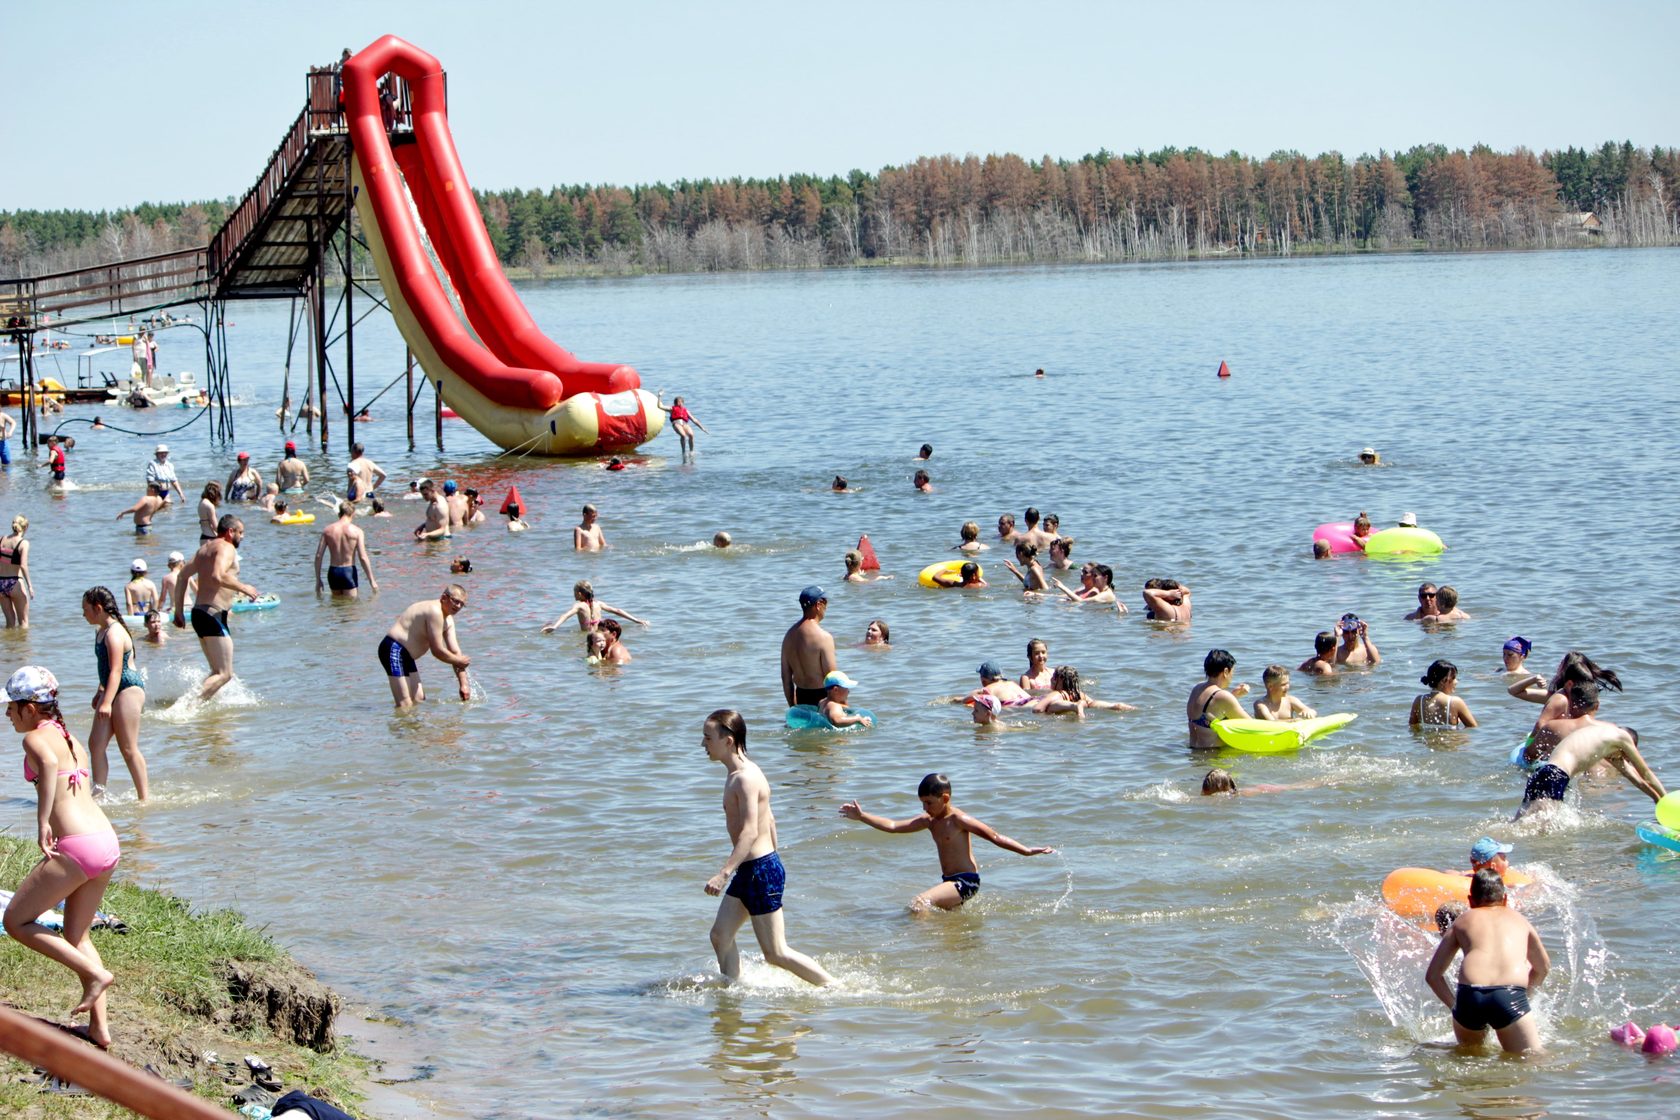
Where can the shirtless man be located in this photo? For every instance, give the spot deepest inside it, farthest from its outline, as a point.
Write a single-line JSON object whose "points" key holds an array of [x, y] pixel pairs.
{"points": [[808, 651], [1578, 753], [1033, 534], [292, 475], [1322, 663], [1006, 528], [216, 567], [609, 646], [1426, 607], [1166, 600], [363, 473], [436, 525], [143, 510], [587, 535], [1357, 650], [1503, 961], [456, 503], [425, 627], [952, 829], [753, 874], [344, 542], [7, 427], [1582, 712]]}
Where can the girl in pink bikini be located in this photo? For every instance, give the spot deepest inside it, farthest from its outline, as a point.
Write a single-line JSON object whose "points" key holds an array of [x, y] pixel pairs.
{"points": [[78, 846]]}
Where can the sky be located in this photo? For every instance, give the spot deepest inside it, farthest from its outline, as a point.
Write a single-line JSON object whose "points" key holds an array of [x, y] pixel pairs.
{"points": [[113, 104]]}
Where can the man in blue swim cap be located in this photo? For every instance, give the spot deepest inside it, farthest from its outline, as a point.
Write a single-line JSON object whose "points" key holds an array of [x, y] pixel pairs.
{"points": [[808, 651]]}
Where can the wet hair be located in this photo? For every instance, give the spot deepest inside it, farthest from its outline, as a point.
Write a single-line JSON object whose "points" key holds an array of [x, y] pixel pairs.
{"points": [[1217, 661], [583, 591], [1324, 642], [1577, 666], [1026, 552], [970, 570], [1363, 521], [1445, 598], [1447, 913], [1006, 519], [839, 483], [213, 491], [1218, 781], [729, 722], [1321, 549], [346, 509], [102, 598], [1031, 516], [154, 616], [1104, 571], [1487, 888], [279, 505], [377, 505], [1583, 696], [1065, 678], [721, 539], [854, 560], [19, 524], [1050, 523], [881, 625], [970, 531], [927, 451], [1439, 670], [514, 510], [227, 521], [1037, 642], [611, 626], [1273, 672], [933, 785], [922, 478]]}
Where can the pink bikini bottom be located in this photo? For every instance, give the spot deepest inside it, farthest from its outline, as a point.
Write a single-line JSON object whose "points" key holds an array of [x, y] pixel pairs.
{"points": [[94, 852]]}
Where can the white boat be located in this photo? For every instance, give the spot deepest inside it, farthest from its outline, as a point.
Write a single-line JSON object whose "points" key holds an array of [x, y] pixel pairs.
{"points": [[180, 390]]}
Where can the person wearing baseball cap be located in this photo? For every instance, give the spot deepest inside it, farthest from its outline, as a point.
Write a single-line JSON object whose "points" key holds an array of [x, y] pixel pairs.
{"points": [[243, 484], [160, 472], [838, 688], [995, 692], [76, 838], [1488, 852], [140, 594], [292, 475], [807, 651]]}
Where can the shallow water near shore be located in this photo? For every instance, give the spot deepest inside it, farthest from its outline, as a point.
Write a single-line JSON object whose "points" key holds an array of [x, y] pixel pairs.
{"points": [[518, 880]]}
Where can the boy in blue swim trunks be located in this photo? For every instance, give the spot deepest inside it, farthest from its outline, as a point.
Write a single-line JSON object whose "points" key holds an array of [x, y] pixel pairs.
{"points": [[753, 874], [951, 828]]}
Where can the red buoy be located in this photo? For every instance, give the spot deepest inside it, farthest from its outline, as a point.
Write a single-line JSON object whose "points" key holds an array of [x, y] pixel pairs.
{"points": [[513, 499], [870, 564], [1224, 370]]}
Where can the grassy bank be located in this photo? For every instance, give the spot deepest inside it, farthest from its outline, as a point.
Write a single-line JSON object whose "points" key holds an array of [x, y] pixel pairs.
{"points": [[187, 983]]}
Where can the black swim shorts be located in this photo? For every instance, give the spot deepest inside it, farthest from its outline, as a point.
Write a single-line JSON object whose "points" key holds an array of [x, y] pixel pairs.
{"points": [[758, 883], [968, 883], [1548, 783], [1497, 1005], [398, 662], [343, 579], [207, 623]]}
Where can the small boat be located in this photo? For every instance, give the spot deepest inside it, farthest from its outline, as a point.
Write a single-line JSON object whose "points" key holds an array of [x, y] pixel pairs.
{"points": [[163, 392]]}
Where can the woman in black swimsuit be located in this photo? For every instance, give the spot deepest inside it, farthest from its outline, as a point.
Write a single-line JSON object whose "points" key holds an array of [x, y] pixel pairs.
{"points": [[208, 514], [15, 588], [1213, 699]]}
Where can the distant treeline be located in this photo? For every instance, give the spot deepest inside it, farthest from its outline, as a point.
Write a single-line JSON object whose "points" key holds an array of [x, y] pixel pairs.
{"points": [[998, 209]]}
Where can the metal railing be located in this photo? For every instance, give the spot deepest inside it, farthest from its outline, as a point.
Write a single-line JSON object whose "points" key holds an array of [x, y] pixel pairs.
{"points": [[105, 290]]}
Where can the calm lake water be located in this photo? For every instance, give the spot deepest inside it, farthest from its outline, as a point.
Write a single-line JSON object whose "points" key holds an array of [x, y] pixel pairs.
{"points": [[518, 880]]}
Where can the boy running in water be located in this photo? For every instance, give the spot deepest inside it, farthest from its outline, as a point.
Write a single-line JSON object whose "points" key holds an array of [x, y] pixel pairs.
{"points": [[951, 828]]}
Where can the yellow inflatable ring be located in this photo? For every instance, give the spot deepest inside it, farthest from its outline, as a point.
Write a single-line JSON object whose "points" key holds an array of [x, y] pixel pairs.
{"points": [[296, 517], [950, 569]]}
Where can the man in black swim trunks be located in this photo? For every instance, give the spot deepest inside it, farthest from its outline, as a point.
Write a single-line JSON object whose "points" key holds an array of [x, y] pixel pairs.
{"points": [[216, 564], [344, 544], [808, 651], [1503, 962], [1578, 752]]}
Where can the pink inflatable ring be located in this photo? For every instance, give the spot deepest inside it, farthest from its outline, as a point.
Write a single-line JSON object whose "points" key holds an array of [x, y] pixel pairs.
{"points": [[1339, 535]]}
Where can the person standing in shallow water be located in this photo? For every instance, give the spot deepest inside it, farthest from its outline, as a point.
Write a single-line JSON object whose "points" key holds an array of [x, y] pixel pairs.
{"points": [[79, 848], [752, 879], [216, 566]]}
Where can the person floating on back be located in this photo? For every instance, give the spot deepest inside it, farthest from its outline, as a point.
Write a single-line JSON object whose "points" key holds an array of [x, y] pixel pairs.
{"points": [[951, 828]]}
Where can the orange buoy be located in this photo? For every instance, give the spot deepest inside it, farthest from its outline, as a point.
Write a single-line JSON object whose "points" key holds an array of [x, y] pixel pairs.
{"points": [[1224, 370], [513, 499], [870, 564]]}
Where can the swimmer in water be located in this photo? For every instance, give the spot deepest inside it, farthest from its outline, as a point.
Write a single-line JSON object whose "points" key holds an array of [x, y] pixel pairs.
{"points": [[1323, 661], [1066, 696], [588, 610], [344, 545], [15, 587], [1553, 695], [1578, 753], [425, 627], [1038, 674], [1446, 606], [925, 453], [967, 576], [1061, 554], [1277, 704], [951, 829], [1426, 607], [855, 572], [840, 485], [721, 540], [1166, 600], [586, 534], [1361, 529], [516, 523], [752, 878], [436, 525], [271, 500], [970, 543], [1032, 577], [1214, 698], [1033, 534], [1217, 782], [922, 482], [1321, 550], [1357, 650], [140, 594], [1006, 528], [877, 634], [1096, 586], [1368, 457], [1440, 707], [144, 509], [1504, 960], [376, 508], [1514, 653], [607, 649], [838, 688], [1549, 731]]}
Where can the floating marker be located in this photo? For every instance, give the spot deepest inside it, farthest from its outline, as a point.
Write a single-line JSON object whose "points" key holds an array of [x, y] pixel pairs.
{"points": [[1224, 370], [513, 499], [870, 564]]}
